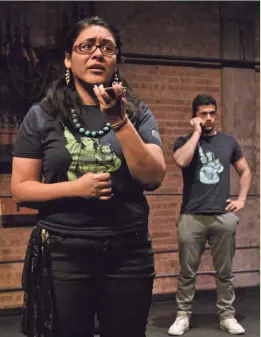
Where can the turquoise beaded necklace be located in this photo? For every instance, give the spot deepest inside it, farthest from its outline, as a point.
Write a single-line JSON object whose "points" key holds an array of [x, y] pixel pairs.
{"points": [[88, 133]]}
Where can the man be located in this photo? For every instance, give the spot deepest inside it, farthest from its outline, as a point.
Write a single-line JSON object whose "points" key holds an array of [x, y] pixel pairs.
{"points": [[207, 212]]}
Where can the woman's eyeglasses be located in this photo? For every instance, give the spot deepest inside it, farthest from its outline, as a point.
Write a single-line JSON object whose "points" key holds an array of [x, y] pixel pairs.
{"points": [[90, 47]]}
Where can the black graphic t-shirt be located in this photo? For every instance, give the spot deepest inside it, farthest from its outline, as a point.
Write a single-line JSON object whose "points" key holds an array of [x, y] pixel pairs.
{"points": [[206, 181], [66, 156]]}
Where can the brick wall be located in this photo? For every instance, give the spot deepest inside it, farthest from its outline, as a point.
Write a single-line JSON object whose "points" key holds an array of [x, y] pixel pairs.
{"points": [[168, 28]]}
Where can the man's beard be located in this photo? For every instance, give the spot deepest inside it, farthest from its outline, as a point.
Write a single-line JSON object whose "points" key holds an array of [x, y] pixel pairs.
{"points": [[207, 131]]}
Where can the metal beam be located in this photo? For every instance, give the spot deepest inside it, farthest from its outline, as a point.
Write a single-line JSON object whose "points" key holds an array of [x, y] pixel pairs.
{"points": [[167, 251], [187, 61], [211, 273]]}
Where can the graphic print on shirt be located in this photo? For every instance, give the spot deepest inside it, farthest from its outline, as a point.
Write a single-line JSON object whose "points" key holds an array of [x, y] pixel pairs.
{"points": [[210, 169], [89, 156]]}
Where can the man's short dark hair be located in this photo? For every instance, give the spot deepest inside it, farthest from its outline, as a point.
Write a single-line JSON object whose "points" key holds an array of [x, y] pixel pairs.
{"points": [[202, 100]]}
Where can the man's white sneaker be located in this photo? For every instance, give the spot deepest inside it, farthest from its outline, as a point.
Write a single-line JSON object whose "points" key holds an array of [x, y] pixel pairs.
{"points": [[180, 326], [232, 326]]}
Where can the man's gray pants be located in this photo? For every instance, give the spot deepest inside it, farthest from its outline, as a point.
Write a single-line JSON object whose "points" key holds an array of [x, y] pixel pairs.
{"points": [[193, 233]]}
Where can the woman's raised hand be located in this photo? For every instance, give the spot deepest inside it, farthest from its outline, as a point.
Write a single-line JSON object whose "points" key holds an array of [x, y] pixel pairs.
{"points": [[114, 106]]}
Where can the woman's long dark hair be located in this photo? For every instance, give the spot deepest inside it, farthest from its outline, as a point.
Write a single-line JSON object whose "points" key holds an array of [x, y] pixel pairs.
{"points": [[60, 97]]}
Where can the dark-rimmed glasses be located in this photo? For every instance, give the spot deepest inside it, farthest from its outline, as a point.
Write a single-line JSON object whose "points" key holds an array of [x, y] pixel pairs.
{"points": [[90, 47]]}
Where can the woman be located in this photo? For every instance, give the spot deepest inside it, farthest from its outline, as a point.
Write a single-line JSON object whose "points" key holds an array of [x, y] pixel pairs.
{"points": [[97, 150]]}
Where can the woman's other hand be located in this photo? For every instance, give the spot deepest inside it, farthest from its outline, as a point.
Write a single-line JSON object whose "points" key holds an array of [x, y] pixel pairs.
{"points": [[93, 185]]}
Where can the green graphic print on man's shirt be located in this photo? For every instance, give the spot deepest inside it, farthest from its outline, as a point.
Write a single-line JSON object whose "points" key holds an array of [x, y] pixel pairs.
{"points": [[90, 155]]}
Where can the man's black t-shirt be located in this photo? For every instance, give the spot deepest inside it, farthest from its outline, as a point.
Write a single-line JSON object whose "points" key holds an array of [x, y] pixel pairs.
{"points": [[66, 156], [206, 181]]}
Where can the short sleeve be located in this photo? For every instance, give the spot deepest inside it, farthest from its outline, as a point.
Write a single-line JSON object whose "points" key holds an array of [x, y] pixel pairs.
{"points": [[147, 127], [28, 140], [237, 152], [179, 143]]}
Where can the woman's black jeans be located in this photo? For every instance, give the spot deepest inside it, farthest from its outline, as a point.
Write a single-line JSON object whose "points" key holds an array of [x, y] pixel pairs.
{"points": [[112, 278]]}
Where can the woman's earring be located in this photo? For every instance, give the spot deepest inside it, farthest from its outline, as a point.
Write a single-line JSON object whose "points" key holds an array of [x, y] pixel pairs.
{"points": [[116, 78], [67, 76]]}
